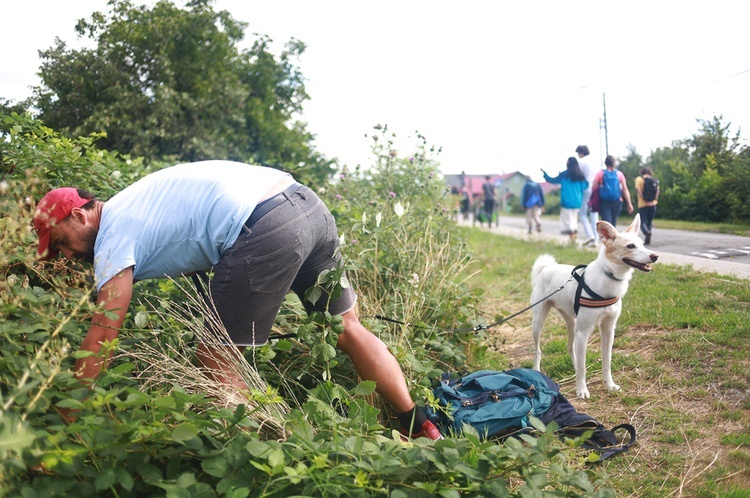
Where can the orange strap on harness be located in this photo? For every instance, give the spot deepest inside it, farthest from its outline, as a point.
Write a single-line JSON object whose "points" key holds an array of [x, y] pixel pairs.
{"points": [[595, 301]]}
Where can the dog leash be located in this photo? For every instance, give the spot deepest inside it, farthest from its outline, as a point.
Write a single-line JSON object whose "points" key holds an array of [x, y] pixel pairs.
{"points": [[478, 327]]}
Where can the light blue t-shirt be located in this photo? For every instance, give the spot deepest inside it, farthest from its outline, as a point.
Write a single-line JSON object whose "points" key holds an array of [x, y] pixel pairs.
{"points": [[178, 220]]}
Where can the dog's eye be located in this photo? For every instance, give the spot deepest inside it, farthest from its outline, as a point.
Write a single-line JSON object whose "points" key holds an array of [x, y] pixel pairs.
{"points": [[631, 246]]}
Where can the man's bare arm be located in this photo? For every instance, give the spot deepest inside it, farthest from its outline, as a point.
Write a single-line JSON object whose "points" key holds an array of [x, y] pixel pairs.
{"points": [[114, 296]]}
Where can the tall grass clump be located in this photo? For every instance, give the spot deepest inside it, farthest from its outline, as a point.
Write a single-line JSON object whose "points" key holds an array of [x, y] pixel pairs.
{"points": [[408, 263], [172, 366]]}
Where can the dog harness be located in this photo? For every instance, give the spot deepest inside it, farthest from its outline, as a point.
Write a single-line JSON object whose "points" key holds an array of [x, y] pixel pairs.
{"points": [[595, 301]]}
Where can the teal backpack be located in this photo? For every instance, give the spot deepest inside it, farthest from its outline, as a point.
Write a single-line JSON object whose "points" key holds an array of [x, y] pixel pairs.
{"points": [[498, 405]]}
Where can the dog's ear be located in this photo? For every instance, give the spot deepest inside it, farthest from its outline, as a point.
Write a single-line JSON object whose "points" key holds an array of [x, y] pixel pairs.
{"points": [[635, 225], [606, 231]]}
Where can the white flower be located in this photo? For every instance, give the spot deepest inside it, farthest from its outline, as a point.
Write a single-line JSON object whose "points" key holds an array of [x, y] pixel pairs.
{"points": [[378, 218], [4, 187], [414, 280], [398, 209], [116, 174]]}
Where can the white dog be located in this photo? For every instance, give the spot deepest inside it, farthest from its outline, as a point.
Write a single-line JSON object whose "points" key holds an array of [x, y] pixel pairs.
{"points": [[593, 297]]}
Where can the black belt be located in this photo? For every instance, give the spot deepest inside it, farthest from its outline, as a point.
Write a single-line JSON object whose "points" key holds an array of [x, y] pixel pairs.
{"points": [[264, 207]]}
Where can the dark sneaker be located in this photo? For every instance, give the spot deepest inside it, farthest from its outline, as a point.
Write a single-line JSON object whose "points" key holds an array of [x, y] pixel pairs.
{"points": [[427, 430], [648, 239]]}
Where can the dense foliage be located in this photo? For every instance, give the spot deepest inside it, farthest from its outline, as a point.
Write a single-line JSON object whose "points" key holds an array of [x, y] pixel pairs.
{"points": [[133, 437], [169, 83], [703, 178]]}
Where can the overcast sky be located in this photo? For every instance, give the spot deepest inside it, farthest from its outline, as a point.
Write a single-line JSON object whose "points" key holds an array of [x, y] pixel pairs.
{"points": [[500, 86]]}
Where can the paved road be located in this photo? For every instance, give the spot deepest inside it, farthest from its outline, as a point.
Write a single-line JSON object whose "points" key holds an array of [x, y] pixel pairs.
{"points": [[715, 252]]}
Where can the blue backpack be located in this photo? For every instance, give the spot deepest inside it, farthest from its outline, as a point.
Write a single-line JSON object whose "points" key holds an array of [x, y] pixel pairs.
{"points": [[610, 189], [499, 404]]}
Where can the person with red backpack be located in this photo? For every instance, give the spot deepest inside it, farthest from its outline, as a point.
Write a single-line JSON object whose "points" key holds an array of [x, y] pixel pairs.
{"points": [[613, 190], [647, 188]]}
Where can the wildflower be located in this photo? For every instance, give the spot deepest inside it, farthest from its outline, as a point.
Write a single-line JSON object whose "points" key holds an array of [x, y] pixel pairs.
{"points": [[3, 187], [392, 194], [398, 209], [116, 175], [414, 280], [322, 190], [393, 152], [378, 219], [338, 197]]}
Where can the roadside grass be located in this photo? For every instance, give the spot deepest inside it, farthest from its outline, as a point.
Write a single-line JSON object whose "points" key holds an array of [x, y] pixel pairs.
{"points": [[681, 356]]}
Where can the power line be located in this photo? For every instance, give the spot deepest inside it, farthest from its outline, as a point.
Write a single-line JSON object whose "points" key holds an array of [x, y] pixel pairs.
{"points": [[733, 76]]}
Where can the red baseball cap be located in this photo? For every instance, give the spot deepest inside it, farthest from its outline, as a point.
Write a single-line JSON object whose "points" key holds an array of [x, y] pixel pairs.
{"points": [[51, 210]]}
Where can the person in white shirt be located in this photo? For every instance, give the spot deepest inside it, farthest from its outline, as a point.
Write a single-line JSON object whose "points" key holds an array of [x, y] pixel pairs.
{"points": [[588, 217]]}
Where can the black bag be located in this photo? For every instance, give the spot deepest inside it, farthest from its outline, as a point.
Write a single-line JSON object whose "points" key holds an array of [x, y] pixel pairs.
{"points": [[650, 188], [497, 405]]}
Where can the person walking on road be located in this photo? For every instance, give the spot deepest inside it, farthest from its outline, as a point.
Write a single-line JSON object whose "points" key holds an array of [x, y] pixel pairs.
{"points": [[261, 232], [587, 216], [488, 189], [532, 199], [647, 189], [572, 185], [613, 190]]}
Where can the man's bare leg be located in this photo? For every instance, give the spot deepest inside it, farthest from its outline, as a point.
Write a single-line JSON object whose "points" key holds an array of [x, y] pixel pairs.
{"points": [[373, 361], [221, 371]]}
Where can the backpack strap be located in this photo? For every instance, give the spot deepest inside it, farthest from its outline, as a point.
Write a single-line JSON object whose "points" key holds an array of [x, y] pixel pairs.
{"points": [[612, 450]]}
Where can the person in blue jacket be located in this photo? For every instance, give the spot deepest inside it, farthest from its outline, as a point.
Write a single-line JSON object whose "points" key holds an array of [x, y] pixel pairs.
{"points": [[532, 200], [572, 183]]}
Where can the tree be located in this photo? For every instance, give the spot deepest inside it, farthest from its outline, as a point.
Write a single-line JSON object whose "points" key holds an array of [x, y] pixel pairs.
{"points": [[713, 144], [170, 83], [704, 177]]}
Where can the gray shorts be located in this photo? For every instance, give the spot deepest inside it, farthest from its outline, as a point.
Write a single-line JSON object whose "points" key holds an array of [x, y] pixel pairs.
{"points": [[284, 250]]}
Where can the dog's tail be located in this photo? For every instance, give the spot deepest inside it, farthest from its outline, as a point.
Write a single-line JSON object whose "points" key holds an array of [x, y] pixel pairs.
{"points": [[540, 263]]}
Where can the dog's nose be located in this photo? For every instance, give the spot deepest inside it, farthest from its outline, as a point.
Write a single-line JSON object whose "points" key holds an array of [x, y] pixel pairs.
{"points": [[654, 257]]}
